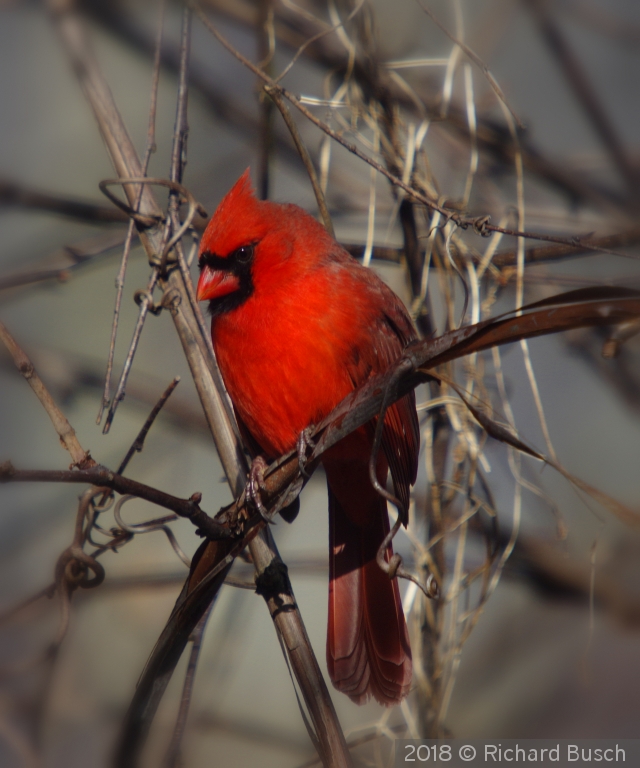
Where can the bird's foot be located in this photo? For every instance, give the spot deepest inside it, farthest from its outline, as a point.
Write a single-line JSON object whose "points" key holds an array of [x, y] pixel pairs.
{"points": [[255, 486], [303, 443]]}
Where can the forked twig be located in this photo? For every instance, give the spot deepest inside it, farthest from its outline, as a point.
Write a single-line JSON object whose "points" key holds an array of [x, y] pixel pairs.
{"points": [[105, 478]]}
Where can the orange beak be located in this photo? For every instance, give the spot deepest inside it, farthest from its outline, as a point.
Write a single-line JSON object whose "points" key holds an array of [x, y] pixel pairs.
{"points": [[214, 283]]}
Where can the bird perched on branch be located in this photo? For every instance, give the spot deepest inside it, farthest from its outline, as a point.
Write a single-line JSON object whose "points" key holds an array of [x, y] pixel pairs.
{"points": [[297, 324]]}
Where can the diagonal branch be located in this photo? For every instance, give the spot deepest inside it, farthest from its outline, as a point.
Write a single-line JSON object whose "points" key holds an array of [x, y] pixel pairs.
{"points": [[574, 309], [127, 165], [66, 432], [306, 159], [210, 390], [283, 481]]}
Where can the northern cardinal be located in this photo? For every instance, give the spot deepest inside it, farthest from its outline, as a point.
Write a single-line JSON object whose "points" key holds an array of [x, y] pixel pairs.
{"points": [[297, 324]]}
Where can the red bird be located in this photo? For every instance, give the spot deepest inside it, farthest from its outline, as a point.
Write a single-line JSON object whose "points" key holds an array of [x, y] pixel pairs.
{"points": [[297, 324]]}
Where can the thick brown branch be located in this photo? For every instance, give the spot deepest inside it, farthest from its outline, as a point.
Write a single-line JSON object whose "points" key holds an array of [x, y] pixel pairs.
{"points": [[209, 386], [575, 309]]}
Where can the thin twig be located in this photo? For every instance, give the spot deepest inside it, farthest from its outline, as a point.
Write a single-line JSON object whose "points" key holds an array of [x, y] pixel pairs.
{"points": [[476, 60], [146, 303], [178, 162], [106, 395], [608, 243], [151, 147], [172, 756], [306, 158], [481, 224], [148, 526], [104, 477], [266, 51], [67, 434], [80, 254], [138, 443], [605, 244], [210, 391]]}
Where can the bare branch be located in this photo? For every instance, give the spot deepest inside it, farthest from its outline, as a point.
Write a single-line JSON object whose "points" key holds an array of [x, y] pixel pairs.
{"points": [[127, 164], [306, 158], [294, 32], [79, 255], [67, 434], [606, 244], [138, 443], [481, 224], [151, 147], [103, 477], [172, 757], [209, 386], [476, 60], [14, 194]]}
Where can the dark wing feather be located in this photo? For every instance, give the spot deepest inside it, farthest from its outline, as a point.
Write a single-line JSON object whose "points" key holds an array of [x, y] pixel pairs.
{"points": [[401, 432]]}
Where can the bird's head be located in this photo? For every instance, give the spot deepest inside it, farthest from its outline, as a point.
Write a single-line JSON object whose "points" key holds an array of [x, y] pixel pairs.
{"points": [[249, 243], [227, 249]]}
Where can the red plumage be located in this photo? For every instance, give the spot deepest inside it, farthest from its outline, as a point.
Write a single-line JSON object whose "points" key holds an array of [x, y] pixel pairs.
{"points": [[297, 324]]}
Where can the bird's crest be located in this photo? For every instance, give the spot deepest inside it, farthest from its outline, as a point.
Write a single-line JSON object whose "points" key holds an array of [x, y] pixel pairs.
{"points": [[239, 220]]}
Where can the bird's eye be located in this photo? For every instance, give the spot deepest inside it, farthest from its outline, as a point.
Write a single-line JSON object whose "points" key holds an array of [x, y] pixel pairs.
{"points": [[244, 254]]}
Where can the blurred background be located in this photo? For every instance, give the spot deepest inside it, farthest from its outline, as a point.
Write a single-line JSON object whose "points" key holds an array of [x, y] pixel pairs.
{"points": [[543, 644]]}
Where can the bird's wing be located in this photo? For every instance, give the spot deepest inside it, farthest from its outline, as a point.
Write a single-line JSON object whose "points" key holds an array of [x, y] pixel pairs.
{"points": [[401, 434]]}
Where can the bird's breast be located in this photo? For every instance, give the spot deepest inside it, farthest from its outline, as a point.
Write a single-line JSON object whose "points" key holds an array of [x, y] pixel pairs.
{"points": [[285, 365]]}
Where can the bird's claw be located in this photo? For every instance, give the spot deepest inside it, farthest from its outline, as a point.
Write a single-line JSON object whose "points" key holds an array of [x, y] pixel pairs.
{"points": [[304, 441], [255, 485]]}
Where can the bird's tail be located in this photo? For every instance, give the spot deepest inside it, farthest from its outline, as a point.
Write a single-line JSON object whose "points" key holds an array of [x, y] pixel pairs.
{"points": [[368, 651]]}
